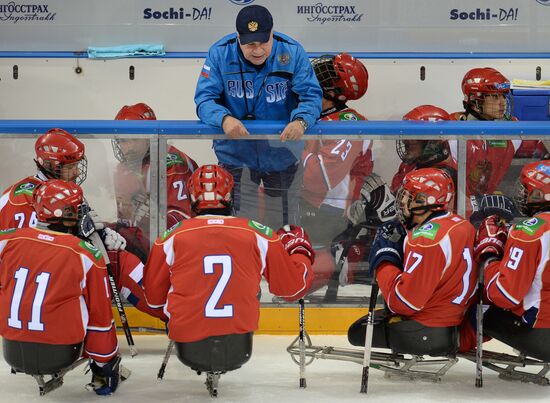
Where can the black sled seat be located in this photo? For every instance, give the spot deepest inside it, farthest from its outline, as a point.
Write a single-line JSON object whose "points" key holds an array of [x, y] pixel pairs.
{"points": [[216, 355], [39, 360]]}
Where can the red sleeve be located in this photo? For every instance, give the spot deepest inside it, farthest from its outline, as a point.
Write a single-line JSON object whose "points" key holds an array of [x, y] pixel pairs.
{"points": [[156, 273], [408, 291], [508, 281], [330, 164], [289, 277], [101, 343], [397, 180], [130, 279]]}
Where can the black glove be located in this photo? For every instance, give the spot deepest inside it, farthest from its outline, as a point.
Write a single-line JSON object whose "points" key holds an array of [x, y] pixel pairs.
{"points": [[376, 202], [105, 379], [86, 225], [493, 204], [387, 246]]}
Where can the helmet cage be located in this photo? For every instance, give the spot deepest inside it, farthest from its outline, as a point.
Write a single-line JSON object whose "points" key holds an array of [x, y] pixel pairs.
{"points": [[55, 169], [433, 152]]}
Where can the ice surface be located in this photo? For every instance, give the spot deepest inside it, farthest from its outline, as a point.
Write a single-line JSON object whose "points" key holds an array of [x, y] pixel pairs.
{"points": [[271, 376]]}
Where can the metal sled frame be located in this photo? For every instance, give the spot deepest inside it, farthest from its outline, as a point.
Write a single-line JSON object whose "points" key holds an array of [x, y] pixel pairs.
{"points": [[56, 379], [506, 365], [212, 380], [393, 364]]}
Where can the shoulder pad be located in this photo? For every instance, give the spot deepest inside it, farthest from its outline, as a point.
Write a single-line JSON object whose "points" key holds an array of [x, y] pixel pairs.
{"points": [[428, 231], [170, 230], [91, 249], [349, 115], [260, 228], [25, 188], [7, 231], [530, 227], [174, 159]]}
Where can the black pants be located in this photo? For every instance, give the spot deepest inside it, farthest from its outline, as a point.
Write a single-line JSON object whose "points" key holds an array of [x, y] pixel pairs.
{"points": [[405, 336], [508, 328]]}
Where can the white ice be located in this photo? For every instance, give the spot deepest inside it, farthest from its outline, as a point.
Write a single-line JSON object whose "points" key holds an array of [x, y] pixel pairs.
{"points": [[271, 376]]}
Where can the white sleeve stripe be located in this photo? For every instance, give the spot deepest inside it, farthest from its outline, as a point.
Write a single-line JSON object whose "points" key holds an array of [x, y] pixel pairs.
{"points": [[91, 353], [101, 328], [489, 286], [4, 200], [86, 264], [404, 300], [168, 248], [307, 158], [137, 273], [506, 293], [3, 245], [125, 292], [303, 282], [155, 306], [262, 247], [324, 171]]}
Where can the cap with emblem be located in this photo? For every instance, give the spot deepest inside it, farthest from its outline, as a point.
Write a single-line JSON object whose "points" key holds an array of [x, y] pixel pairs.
{"points": [[254, 24]]}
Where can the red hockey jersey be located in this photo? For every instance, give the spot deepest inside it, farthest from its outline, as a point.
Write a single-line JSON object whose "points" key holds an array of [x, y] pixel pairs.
{"points": [[334, 170], [206, 274], [438, 278], [16, 209], [521, 281], [54, 290]]}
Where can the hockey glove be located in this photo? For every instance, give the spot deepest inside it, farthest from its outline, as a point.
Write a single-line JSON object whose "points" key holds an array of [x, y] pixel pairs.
{"points": [[112, 239], [296, 240], [500, 205], [490, 238], [95, 218], [85, 225], [376, 202], [387, 246], [105, 379]]}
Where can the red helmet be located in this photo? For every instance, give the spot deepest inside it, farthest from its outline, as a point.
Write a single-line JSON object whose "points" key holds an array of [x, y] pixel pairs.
{"points": [[431, 189], [132, 154], [343, 74], [533, 188], [139, 111], [57, 201], [424, 153], [210, 187], [428, 113], [479, 83], [56, 149]]}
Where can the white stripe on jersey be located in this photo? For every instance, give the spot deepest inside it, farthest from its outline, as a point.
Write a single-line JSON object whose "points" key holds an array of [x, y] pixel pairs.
{"points": [[137, 273], [168, 248], [506, 293], [532, 298], [4, 200], [262, 247], [83, 313], [3, 245]]}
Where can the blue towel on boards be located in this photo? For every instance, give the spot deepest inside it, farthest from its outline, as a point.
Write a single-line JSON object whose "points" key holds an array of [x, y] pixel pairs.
{"points": [[111, 52]]}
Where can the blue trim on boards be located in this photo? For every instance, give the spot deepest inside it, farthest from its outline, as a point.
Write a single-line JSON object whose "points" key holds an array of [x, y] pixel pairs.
{"points": [[193, 127], [361, 55]]}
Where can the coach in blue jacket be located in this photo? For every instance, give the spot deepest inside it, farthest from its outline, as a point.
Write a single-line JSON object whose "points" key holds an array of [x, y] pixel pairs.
{"points": [[258, 74]]}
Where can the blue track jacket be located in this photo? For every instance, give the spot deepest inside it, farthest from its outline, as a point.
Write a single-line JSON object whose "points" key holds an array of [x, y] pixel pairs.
{"points": [[284, 88]]}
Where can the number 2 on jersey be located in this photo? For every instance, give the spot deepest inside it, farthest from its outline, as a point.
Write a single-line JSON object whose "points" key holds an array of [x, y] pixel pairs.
{"points": [[20, 282], [209, 262]]}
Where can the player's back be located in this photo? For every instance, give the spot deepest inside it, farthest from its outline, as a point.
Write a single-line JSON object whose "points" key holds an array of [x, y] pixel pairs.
{"points": [[525, 269], [42, 277], [441, 251], [217, 266], [16, 204]]}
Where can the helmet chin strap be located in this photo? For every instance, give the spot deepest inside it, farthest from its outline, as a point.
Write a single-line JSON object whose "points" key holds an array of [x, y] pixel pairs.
{"points": [[421, 210], [476, 114]]}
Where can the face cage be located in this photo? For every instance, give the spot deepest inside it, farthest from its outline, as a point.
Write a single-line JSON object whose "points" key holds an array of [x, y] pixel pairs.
{"points": [[141, 209], [525, 207], [82, 171], [133, 161], [326, 74], [478, 101], [403, 153]]}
